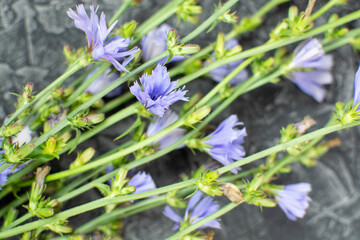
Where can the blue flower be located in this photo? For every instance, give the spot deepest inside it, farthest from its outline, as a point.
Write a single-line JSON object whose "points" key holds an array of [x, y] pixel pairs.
{"points": [[311, 57], [157, 92], [294, 200], [113, 49], [226, 142], [160, 124], [357, 90], [154, 43], [142, 182], [103, 81], [198, 208], [218, 74]]}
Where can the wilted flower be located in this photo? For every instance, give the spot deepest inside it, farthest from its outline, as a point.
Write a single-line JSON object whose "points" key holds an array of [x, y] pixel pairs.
{"points": [[154, 43], [198, 208], [24, 136], [160, 124], [218, 74], [142, 182], [103, 81], [357, 89], [158, 91], [226, 142], [315, 69], [294, 200], [113, 49]]}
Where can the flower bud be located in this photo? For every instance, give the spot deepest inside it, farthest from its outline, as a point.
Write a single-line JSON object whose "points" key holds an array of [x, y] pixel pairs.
{"points": [[127, 29], [127, 190], [255, 183], [220, 46], [45, 212], [189, 104], [21, 153], [172, 37], [13, 129], [263, 202], [95, 118], [59, 227], [187, 11], [120, 177], [185, 49], [50, 146], [196, 116], [83, 158]]}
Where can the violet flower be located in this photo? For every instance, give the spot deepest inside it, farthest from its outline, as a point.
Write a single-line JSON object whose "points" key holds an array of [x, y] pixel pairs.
{"points": [[357, 90], [160, 124], [317, 66], [218, 74], [157, 92], [154, 43], [198, 208], [103, 81], [142, 182], [113, 49], [226, 142], [294, 200]]}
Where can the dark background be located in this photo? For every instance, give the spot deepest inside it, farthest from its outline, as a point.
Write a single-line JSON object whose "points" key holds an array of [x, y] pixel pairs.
{"points": [[32, 35]]}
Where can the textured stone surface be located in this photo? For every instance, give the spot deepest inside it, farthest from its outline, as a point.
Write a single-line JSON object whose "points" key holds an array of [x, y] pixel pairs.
{"points": [[32, 34]]}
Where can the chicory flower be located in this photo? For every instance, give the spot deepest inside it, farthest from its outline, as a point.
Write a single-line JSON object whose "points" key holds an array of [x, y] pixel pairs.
{"points": [[103, 81], [294, 200], [158, 91], [218, 74], [198, 208], [315, 69], [226, 142], [160, 124], [112, 49], [142, 182], [154, 43]]}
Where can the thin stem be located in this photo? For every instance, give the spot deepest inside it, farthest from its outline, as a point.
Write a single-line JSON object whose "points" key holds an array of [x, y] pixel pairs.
{"points": [[86, 84], [325, 8], [116, 102], [18, 221], [125, 5], [198, 224], [13, 204], [70, 71], [268, 7]]}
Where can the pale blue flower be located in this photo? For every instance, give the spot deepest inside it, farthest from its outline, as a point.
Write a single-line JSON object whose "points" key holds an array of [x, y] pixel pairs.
{"points": [[112, 49], [317, 66], [218, 74], [104, 80], [294, 200], [157, 92], [143, 182], [357, 89], [226, 142], [198, 208], [154, 43], [161, 123]]}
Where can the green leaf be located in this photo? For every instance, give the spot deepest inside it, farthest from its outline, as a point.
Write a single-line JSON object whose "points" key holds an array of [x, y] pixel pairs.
{"points": [[103, 188]]}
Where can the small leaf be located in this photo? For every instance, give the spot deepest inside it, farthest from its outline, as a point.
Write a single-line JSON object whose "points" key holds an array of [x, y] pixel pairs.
{"points": [[103, 188]]}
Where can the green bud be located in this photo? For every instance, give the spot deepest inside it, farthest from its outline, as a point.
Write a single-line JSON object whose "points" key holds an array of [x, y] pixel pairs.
{"points": [[264, 202], [247, 24], [187, 11], [59, 227], [207, 183], [127, 190], [127, 29], [196, 116], [50, 145], [120, 177], [220, 46], [22, 152], [172, 37], [26, 236], [45, 212], [95, 118], [83, 158], [255, 183], [12, 129], [185, 49]]}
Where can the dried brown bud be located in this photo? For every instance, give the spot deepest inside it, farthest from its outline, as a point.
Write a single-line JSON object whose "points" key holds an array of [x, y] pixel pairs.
{"points": [[305, 124], [233, 192]]}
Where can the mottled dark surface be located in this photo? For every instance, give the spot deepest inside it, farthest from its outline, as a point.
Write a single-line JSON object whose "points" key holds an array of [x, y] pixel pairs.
{"points": [[33, 32]]}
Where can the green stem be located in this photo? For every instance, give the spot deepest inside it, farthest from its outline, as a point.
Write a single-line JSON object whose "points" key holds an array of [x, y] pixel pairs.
{"points": [[284, 146], [116, 102], [13, 204], [268, 7], [324, 9], [156, 19], [18, 221], [125, 5], [70, 71], [198, 224], [86, 84]]}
